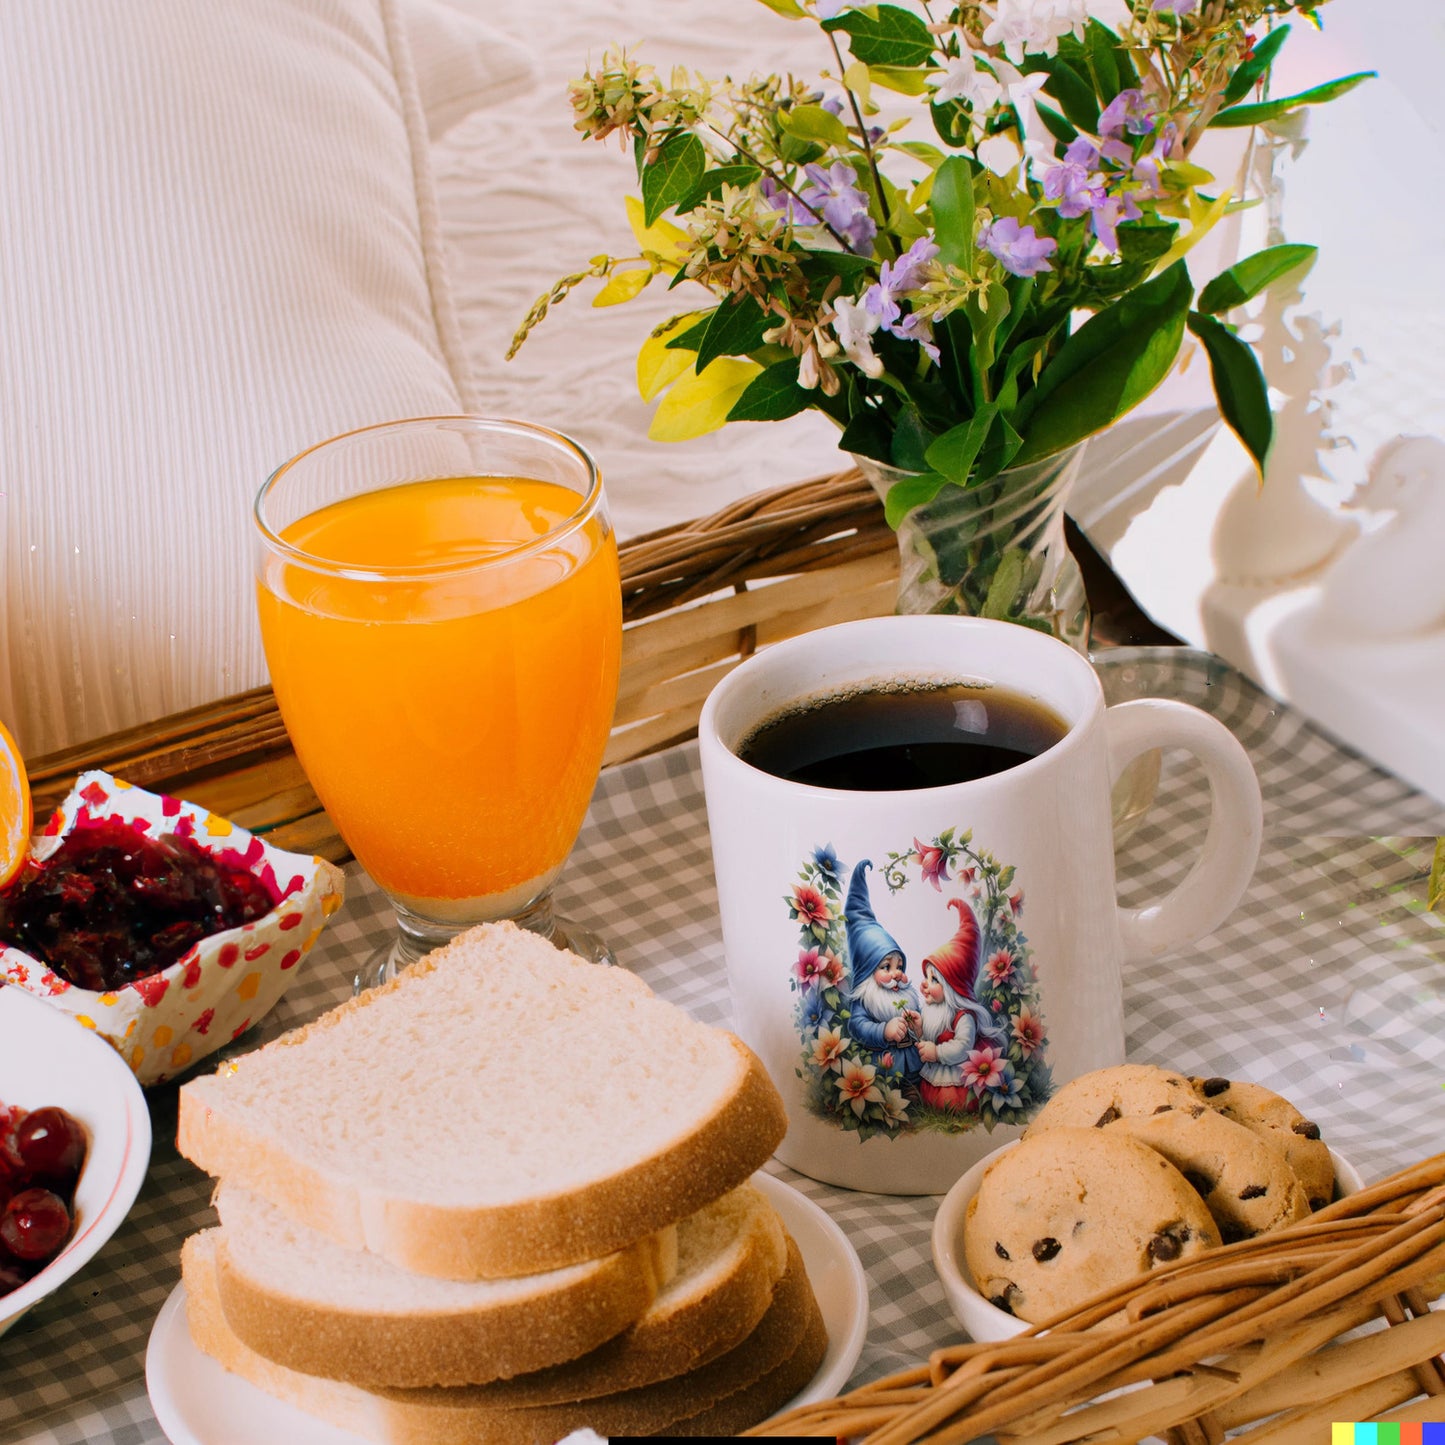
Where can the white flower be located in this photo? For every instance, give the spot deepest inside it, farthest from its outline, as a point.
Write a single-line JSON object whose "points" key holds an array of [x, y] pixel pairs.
{"points": [[854, 325], [966, 79], [999, 154], [1033, 26]]}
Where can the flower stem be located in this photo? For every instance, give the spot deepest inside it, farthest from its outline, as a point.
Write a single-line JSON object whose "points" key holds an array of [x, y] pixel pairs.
{"points": [[863, 138]]}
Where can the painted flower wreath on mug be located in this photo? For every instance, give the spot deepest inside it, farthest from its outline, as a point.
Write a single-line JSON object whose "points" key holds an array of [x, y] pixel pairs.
{"points": [[961, 1045]]}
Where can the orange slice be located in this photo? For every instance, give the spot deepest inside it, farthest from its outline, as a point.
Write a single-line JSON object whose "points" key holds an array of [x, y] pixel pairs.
{"points": [[15, 815]]}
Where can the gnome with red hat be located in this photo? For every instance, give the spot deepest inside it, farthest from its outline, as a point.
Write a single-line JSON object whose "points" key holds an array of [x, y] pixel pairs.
{"points": [[953, 1021]]}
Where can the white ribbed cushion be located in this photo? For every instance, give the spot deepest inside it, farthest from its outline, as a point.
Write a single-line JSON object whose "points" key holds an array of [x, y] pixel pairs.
{"points": [[218, 245]]}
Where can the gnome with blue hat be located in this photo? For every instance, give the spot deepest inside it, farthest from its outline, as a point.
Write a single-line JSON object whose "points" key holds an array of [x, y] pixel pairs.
{"points": [[885, 1016]]}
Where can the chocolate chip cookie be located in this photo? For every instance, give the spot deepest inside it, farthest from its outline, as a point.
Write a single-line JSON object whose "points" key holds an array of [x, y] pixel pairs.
{"points": [[1245, 1182], [1098, 1098], [1278, 1122], [1068, 1212]]}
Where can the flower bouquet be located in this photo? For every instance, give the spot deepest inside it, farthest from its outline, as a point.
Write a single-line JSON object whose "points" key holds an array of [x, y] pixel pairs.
{"points": [[966, 244]]}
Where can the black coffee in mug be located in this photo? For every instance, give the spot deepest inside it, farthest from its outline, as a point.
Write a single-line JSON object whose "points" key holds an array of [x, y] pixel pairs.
{"points": [[906, 734]]}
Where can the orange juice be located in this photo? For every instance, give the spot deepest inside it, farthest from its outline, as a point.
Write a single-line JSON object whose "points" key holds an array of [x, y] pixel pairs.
{"points": [[451, 715]]}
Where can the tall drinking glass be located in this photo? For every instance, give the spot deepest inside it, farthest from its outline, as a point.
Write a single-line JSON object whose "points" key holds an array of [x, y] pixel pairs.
{"points": [[442, 617]]}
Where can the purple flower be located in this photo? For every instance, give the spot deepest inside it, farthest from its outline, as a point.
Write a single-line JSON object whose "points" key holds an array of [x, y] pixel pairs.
{"points": [[1021, 251], [843, 206], [778, 198], [910, 270], [1082, 152], [1176, 7], [1076, 189], [1131, 111], [917, 328], [1108, 216]]}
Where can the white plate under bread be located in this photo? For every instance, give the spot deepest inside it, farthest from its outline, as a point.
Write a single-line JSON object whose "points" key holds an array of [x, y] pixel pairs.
{"points": [[198, 1403]]}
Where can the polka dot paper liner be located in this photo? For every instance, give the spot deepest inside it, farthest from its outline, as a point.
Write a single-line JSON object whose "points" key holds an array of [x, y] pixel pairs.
{"points": [[223, 984]]}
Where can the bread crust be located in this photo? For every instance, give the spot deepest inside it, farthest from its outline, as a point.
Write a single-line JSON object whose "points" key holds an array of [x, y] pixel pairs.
{"points": [[500, 1239], [741, 1387], [445, 1347]]}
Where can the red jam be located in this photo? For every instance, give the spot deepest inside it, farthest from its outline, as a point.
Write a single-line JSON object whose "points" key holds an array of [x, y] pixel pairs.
{"points": [[41, 1154], [112, 905]]}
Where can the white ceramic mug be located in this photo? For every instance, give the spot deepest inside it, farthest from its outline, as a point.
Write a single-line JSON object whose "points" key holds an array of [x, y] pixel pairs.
{"points": [[997, 894]]}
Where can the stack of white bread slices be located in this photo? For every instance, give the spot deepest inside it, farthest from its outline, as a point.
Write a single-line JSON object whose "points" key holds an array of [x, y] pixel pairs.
{"points": [[501, 1198]]}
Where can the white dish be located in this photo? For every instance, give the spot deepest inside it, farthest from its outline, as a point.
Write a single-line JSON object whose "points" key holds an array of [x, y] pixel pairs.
{"points": [[983, 1321], [48, 1058], [199, 1403]]}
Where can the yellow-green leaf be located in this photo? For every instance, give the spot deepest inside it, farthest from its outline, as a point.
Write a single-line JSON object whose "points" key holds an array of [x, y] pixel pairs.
{"points": [[1436, 898], [858, 80], [662, 238], [1202, 218], [789, 9], [902, 79], [623, 286], [659, 365], [696, 405]]}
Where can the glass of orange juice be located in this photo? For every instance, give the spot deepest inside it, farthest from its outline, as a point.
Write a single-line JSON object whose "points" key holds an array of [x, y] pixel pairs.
{"points": [[442, 617]]}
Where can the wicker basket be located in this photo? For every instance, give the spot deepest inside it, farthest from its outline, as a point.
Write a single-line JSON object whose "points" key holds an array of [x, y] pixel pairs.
{"points": [[697, 599]]}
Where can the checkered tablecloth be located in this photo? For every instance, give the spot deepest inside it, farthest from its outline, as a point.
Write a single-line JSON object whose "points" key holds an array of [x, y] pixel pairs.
{"points": [[1327, 984]]}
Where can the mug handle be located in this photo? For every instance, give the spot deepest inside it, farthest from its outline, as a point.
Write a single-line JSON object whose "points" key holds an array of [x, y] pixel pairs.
{"points": [[1221, 873]]}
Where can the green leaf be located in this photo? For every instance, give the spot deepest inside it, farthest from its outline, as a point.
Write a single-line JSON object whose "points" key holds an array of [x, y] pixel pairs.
{"points": [[885, 35], [954, 452], [1056, 125], [911, 440], [1109, 365], [1239, 385], [1068, 86], [1238, 115], [1247, 278], [952, 122], [921, 150], [734, 329], [788, 9], [813, 123], [672, 174], [1435, 898], [1252, 71], [917, 489], [691, 339], [711, 183], [773, 395], [899, 78], [1099, 52], [951, 202]]}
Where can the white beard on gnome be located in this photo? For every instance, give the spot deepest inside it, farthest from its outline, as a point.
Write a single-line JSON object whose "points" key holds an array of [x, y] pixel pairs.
{"points": [[938, 1016], [882, 1004]]}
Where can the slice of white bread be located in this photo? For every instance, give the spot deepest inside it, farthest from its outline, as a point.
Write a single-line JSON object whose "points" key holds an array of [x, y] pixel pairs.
{"points": [[727, 1394], [312, 1305], [499, 1109]]}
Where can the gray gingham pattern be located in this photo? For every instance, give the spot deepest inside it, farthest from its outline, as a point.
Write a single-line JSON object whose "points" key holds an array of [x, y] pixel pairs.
{"points": [[1328, 984]]}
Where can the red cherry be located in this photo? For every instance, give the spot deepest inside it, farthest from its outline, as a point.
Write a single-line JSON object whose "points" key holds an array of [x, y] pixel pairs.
{"points": [[12, 1276], [51, 1144], [35, 1224]]}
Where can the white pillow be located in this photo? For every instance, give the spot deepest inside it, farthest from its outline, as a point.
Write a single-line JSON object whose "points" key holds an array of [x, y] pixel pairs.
{"points": [[460, 64], [218, 245]]}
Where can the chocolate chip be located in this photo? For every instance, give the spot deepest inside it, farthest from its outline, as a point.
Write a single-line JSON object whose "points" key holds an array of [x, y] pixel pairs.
{"points": [[1046, 1249], [1166, 1245], [1197, 1111], [1233, 1233], [1318, 1204], [1107, 1117], [1254, 1191], [1202, 1184], [1164, 1109], [999, 1250], [1211, 1087], [1004, 1300], [1308, 1129]]}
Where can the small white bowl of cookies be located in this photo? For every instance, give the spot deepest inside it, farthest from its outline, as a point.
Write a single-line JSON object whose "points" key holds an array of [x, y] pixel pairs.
{"points": [[1124, 1170]]}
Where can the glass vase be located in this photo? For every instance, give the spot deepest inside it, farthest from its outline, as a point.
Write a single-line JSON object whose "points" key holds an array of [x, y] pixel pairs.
{"points": [[995, 548]]}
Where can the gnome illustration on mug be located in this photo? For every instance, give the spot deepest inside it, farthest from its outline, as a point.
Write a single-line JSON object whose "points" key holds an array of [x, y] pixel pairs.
{"points": [[885, 1018], [954, 1023]]}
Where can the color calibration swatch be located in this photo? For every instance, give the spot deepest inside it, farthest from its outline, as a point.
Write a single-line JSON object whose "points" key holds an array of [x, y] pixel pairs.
{"points": [[1386, 1434]]}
